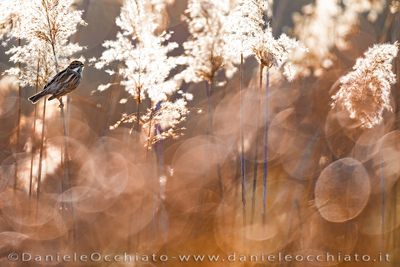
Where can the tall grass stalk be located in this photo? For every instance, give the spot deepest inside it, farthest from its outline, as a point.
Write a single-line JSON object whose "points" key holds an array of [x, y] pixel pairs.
{"points": [[17, 146], [34, 129], [255, 159], [208, 87], [41, 149], [241, 137], [395, 218], [210, 130], [383, 204], [265, 165], [138, 114], [42, 139]]}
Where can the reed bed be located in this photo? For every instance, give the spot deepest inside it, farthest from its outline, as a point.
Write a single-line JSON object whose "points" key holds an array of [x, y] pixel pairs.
{"points": [[230, 128]]}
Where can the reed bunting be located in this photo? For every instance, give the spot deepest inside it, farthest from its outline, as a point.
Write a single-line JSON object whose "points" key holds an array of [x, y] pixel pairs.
{"points": [[63, 83]]}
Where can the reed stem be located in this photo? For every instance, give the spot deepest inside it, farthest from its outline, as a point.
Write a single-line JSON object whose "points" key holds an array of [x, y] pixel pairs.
{"points": [[39, 179], [241, 136], [265, 165], [255, 168], [18, 125], [209, 106], [210, 130], [34, 129], [383, 204]]}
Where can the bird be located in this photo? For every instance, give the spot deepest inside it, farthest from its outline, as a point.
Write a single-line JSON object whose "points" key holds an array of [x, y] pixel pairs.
{"points": [[61, 84]]}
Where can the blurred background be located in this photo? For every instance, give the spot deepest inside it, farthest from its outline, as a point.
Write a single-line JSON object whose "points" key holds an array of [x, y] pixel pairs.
{"points": [[330, 187]]}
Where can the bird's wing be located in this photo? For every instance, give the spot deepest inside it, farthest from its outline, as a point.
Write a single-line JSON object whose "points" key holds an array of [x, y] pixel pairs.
{"points": [[69, 83], [62, 81], [50, 85]]}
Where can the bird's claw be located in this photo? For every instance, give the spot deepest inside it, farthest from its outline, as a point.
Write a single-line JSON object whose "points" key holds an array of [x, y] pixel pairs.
{"points": [[61, 104]]}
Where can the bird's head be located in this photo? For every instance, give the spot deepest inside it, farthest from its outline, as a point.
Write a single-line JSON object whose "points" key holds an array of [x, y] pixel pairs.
{"points": [[76, 66]]}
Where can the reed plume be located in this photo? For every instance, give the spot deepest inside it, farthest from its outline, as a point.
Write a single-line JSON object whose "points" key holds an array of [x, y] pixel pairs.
{"points": [[206, 51], [365, 92], [244, 24], [145, 67], [276, 53]]}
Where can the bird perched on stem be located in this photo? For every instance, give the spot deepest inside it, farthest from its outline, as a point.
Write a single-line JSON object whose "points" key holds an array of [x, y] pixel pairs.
{"points": [[63, 83]]}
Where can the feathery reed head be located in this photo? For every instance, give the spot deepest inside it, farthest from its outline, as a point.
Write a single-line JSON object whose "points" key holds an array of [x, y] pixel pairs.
{"points": [[271, 52], [206, 52], [144, 63], [365, 92]]}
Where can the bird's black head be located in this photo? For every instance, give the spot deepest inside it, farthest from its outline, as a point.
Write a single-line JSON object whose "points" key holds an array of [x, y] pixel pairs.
{"points": [[75, 64]]}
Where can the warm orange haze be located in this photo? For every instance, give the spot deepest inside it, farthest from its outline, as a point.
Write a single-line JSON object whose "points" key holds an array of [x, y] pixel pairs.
{"points": [[199, 133]]}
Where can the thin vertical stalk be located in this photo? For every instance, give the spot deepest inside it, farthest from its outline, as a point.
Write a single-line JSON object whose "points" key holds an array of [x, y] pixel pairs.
{"points": [[41, 149], [149, 133], [34, 129], [65, 183], [159, 150], [18, 125], [138, 116], [265, 165], [255, 169], [396, 36], [39, 179], [139, 89], [242, 161], [382, 203], [208, 93], [395, 214]]}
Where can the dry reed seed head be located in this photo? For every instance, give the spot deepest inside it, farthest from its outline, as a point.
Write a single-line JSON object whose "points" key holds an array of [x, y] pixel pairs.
{"points": [[365, 92], [164, 122], [206, 51], [146, 63], [244, 23], [271, 52]]}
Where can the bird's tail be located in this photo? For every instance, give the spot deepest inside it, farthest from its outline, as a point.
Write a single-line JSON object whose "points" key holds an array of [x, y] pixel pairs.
{"points": [[35, 98]]}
